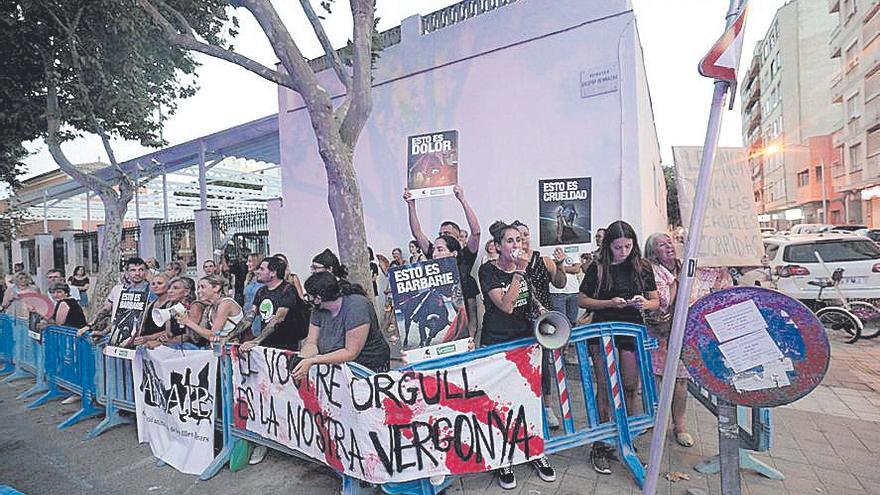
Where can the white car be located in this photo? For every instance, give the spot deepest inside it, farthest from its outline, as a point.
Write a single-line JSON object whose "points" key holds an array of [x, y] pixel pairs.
{"points": [[793, 260]]}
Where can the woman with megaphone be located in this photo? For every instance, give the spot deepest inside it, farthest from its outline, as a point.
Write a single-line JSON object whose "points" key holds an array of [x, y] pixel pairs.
{"points": [[510, 306], [153, 323], [179, 299], [223, 312]]}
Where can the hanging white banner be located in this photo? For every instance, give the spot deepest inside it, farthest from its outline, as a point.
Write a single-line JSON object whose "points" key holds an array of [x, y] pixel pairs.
{"points": [[396, 426], [175, 393]]}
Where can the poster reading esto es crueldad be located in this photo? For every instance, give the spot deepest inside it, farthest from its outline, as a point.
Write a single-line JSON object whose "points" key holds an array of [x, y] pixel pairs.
{"points": [[432, 163], [564, 211]]}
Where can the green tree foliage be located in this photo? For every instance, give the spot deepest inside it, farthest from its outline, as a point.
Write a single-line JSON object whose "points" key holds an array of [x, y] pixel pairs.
{"points": [[71, 67]]}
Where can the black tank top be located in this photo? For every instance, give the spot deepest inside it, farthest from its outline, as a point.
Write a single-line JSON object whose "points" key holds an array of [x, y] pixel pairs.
{"points": [[75, 316]]}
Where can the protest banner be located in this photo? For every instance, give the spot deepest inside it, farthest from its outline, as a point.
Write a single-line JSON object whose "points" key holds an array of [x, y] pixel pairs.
{"points": [[564, 211], [432, 163], [731, 235], [428, 303], [129, 313], [174, 399], [400, 425]]}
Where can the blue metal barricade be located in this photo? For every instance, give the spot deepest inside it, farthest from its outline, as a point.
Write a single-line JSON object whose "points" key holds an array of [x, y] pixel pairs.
{"points": [[755, 435], [115, 386], [7, 344], [70, 367], [579, 429], [28, 357]]}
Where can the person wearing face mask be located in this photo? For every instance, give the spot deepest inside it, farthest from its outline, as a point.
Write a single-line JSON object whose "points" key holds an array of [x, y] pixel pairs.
{"points": [[343, 327], [618, 286], [509, 309]]}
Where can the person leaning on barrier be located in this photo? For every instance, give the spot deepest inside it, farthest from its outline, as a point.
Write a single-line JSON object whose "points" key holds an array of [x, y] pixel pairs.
{"points": [[272, 304], [23, 283], [223, 313], [67, 310], [343, 327], [150, 332], [509, 304]]}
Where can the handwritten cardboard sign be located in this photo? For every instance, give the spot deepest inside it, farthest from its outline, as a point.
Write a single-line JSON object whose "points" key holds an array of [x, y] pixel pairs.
{"points": [[731, 236]]}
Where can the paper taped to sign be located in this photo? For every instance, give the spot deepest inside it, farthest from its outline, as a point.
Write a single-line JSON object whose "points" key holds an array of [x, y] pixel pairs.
{"points": [[771, 375], [750, 350], [735, 321]]}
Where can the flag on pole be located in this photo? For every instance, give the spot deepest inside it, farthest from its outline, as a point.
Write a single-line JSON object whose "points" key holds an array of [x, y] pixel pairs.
{"points": [[723, 58]]}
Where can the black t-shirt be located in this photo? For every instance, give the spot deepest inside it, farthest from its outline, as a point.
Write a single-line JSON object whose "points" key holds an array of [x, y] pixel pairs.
{"points": [[466, 259], [356, 311], [267, 302], [75, 316], [238, 270], [78, 282], [499, 326], [623, 284]]}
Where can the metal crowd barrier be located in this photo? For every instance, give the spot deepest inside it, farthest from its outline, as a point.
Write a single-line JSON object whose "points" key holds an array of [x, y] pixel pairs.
{"points": [[7, 344], [580, 427], [69, 367], [115, 386], [28, 358], [755, 435]]}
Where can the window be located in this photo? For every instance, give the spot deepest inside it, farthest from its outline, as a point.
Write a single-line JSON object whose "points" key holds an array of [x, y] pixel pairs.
{"points": [[872, 142], [819, 177], [776, 64], [832, 251], [803, 178], [770, 250], [855, 157], [872, 85], [852, 55], [852, 107]]}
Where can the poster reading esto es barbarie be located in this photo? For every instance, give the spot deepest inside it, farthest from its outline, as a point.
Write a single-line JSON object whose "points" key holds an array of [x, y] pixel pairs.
{"points": [[564, 211], [432, 164]]}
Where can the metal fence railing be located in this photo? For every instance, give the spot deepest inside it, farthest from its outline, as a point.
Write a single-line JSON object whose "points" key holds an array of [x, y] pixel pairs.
{"points": [[176, 240]]}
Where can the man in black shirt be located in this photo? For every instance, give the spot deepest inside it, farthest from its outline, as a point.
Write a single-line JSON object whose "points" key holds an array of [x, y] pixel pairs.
{"points": [[466, 258], [272, 304]]}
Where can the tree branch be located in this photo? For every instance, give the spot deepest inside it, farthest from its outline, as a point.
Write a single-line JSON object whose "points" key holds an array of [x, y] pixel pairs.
{"points": [[187, 40], [329, 52], [54, 143], [362, 65]]}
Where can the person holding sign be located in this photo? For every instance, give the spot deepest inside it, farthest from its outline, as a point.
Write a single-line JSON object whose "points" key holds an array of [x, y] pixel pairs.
{"points": [[133, 280], [466, 258], [618, 286], [343, 327], [509, 313]]}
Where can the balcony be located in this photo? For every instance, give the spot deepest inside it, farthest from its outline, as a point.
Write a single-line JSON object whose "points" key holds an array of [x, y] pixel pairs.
{"points": [[871, 115], [837, 88], [871, 26], [834, 43], [833, 6], [837, 138]]}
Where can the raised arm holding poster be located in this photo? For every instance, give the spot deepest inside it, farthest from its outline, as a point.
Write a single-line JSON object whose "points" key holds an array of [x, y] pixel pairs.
{"points": [[432, 164], [731, 236], [564, 210], [428, 303]]}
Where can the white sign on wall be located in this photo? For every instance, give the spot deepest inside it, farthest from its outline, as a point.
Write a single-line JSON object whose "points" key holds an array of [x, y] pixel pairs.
{"points": [[599, 80]]}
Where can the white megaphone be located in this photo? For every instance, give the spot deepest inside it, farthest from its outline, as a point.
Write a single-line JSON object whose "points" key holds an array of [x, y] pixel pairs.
{"points": [[552, 329], [162, 315]]}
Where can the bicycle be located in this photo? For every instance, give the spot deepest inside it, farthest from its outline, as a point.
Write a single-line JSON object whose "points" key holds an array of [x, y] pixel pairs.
{"points": [[841, 325], [866, 315]]}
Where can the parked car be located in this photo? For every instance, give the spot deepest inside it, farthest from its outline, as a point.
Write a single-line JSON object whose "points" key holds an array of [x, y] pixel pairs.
{"points": [[873, 234], [793, 260], [818, 228]]}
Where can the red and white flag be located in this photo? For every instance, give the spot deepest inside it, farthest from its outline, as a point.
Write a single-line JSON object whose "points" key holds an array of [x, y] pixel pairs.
{"points": [[723, 59]]}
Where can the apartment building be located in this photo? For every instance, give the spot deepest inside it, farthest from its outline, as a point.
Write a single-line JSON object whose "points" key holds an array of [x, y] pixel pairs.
{"points": [[785, 100], [855, 47]]}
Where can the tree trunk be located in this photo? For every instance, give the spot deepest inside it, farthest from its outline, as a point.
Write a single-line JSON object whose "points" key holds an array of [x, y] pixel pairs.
{"points": [[108, 272], [347, 209]]}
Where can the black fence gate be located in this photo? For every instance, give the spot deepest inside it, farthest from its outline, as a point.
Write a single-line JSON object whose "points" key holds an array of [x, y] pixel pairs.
{"points": [[176, 240], [86, 244], [241, 233], [29, 256], [59, 256]]}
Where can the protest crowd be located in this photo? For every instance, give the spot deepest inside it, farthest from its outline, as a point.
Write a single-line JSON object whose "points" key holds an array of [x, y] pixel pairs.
{"points": [[256, 300]]}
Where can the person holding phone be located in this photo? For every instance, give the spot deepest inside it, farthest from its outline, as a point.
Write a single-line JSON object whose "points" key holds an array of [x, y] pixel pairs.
{"points": [[618, 286]]}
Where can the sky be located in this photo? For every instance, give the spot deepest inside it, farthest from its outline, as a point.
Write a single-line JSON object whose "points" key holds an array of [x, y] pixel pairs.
{"points": [[675, 35]]}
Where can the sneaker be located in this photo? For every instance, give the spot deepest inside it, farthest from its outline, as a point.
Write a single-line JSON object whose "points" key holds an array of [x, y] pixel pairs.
{"points": [[73, 399], [599, 458], [552, 420], [506, 478], [544, 469], [258, 455]]}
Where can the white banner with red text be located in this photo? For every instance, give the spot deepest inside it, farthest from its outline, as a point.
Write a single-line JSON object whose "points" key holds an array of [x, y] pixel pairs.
{"points": [[400, 425]]}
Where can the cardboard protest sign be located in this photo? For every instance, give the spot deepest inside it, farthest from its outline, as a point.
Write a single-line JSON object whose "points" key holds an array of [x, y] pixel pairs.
{"points": [[128, 317], [564, 210], [428, 302], [731, 235], [432, 163], [396, 426], [174, 399]]}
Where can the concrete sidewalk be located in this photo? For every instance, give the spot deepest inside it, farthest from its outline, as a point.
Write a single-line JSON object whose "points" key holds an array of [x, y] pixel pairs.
{"points": [[826, 443]]}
